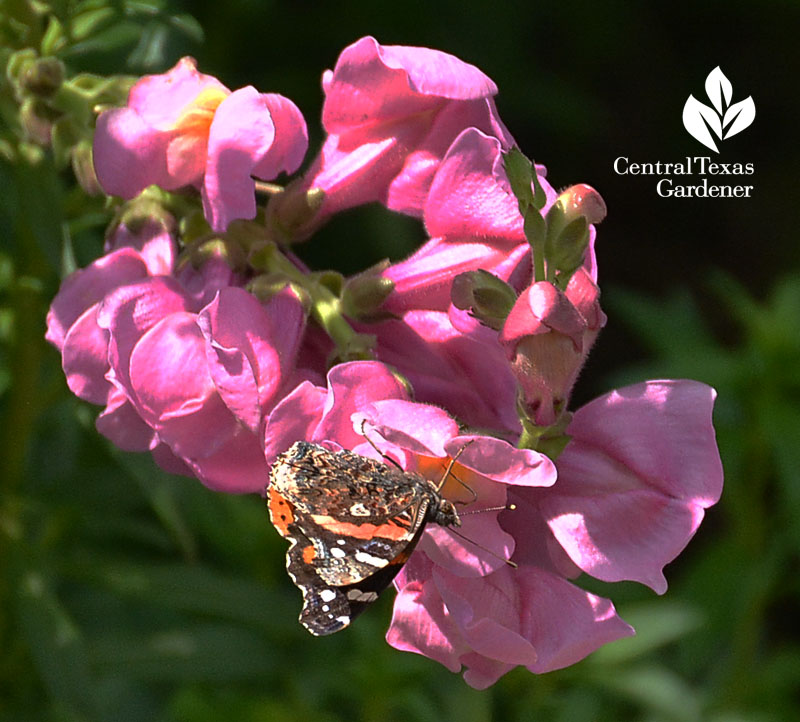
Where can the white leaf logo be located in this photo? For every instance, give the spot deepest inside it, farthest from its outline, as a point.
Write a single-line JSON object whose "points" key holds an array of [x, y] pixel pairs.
{"points": [[723, 119]]}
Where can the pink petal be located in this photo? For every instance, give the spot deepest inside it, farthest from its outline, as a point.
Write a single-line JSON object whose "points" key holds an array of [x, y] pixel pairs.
{"points": [[408, 191], [230, 367], [423, 280], [662, 431], [351, 387], [633, 482], [563, 622], [153, 241], [250, 348], [498, 460], [130, 311], [420, 428], [120, 423], [85, 358], [420, 621], [402, 81], [623, 535], [487, 611], [202, 284], [173, 391], [129, 154], [236, 467], [470, 196], [294, 418], [170, 463], [241, 134], [87, 286], [160, 99], [358, 167], [481, 545], [463, 374], [291, 138], [542, 308], [535, 544]]}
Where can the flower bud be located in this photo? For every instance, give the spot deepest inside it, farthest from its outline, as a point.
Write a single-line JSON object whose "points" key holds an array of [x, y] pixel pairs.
{"points": [[547, 337], [266, 285], [291, 211], [487, 297], [568, 226], [37, 119], [364, 294], [42, 77]]}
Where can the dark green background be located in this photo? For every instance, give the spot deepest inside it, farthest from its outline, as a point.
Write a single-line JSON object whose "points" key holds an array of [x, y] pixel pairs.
{"points": [[129, 595]]}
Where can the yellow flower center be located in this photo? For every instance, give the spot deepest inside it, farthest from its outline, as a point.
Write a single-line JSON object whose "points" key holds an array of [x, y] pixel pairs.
{"points": [[195, 119]]}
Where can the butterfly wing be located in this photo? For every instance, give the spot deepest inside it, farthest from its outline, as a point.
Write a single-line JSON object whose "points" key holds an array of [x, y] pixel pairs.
{"points": [[358, 515]]}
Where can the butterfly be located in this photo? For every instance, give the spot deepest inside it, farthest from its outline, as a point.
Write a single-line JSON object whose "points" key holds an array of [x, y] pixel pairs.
{"points": [[351, 522]]}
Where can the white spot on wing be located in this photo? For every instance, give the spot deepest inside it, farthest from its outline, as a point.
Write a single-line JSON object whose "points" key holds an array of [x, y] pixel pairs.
{"points": [[365, 558], [356, 595], [327, 595]]}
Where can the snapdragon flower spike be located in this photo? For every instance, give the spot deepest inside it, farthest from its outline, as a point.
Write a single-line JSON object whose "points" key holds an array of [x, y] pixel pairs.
{"points": [[185, 128], [391, 112]]}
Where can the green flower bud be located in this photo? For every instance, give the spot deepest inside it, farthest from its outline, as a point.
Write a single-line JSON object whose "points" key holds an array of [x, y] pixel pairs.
{"points": [[290, 212], [364, 294], [487, 297], [42, 77]]}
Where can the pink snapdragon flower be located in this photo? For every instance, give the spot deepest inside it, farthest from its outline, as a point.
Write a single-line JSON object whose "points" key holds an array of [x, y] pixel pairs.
{"points": [[186, 363], [391, 112], [185, 128], [473, 221], [631, 491], [72, 319]]}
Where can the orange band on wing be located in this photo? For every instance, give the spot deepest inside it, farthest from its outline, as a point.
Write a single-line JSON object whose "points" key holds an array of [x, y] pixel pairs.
{"points": [[361, 531]]}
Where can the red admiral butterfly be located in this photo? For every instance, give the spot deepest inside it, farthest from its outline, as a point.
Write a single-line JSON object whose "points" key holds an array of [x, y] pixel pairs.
{"points": [[352, 522]]}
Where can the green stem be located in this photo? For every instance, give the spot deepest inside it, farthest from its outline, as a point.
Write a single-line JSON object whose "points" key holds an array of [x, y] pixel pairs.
{"points": [[326, 308]]}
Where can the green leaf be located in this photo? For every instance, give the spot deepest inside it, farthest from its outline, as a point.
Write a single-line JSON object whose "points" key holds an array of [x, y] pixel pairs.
{"points": [[55, 643], [196, 589], [520, 175], [659, 690], [188, 653], [657, 624]]}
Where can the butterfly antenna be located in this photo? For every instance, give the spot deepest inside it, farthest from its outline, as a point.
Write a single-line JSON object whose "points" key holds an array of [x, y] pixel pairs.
{"points": [[386, 457], [449, 472], [507, 507], [468, 488]]}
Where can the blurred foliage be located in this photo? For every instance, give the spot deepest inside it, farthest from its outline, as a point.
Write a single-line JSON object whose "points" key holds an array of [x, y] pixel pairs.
{"points": [[129, 595]]}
